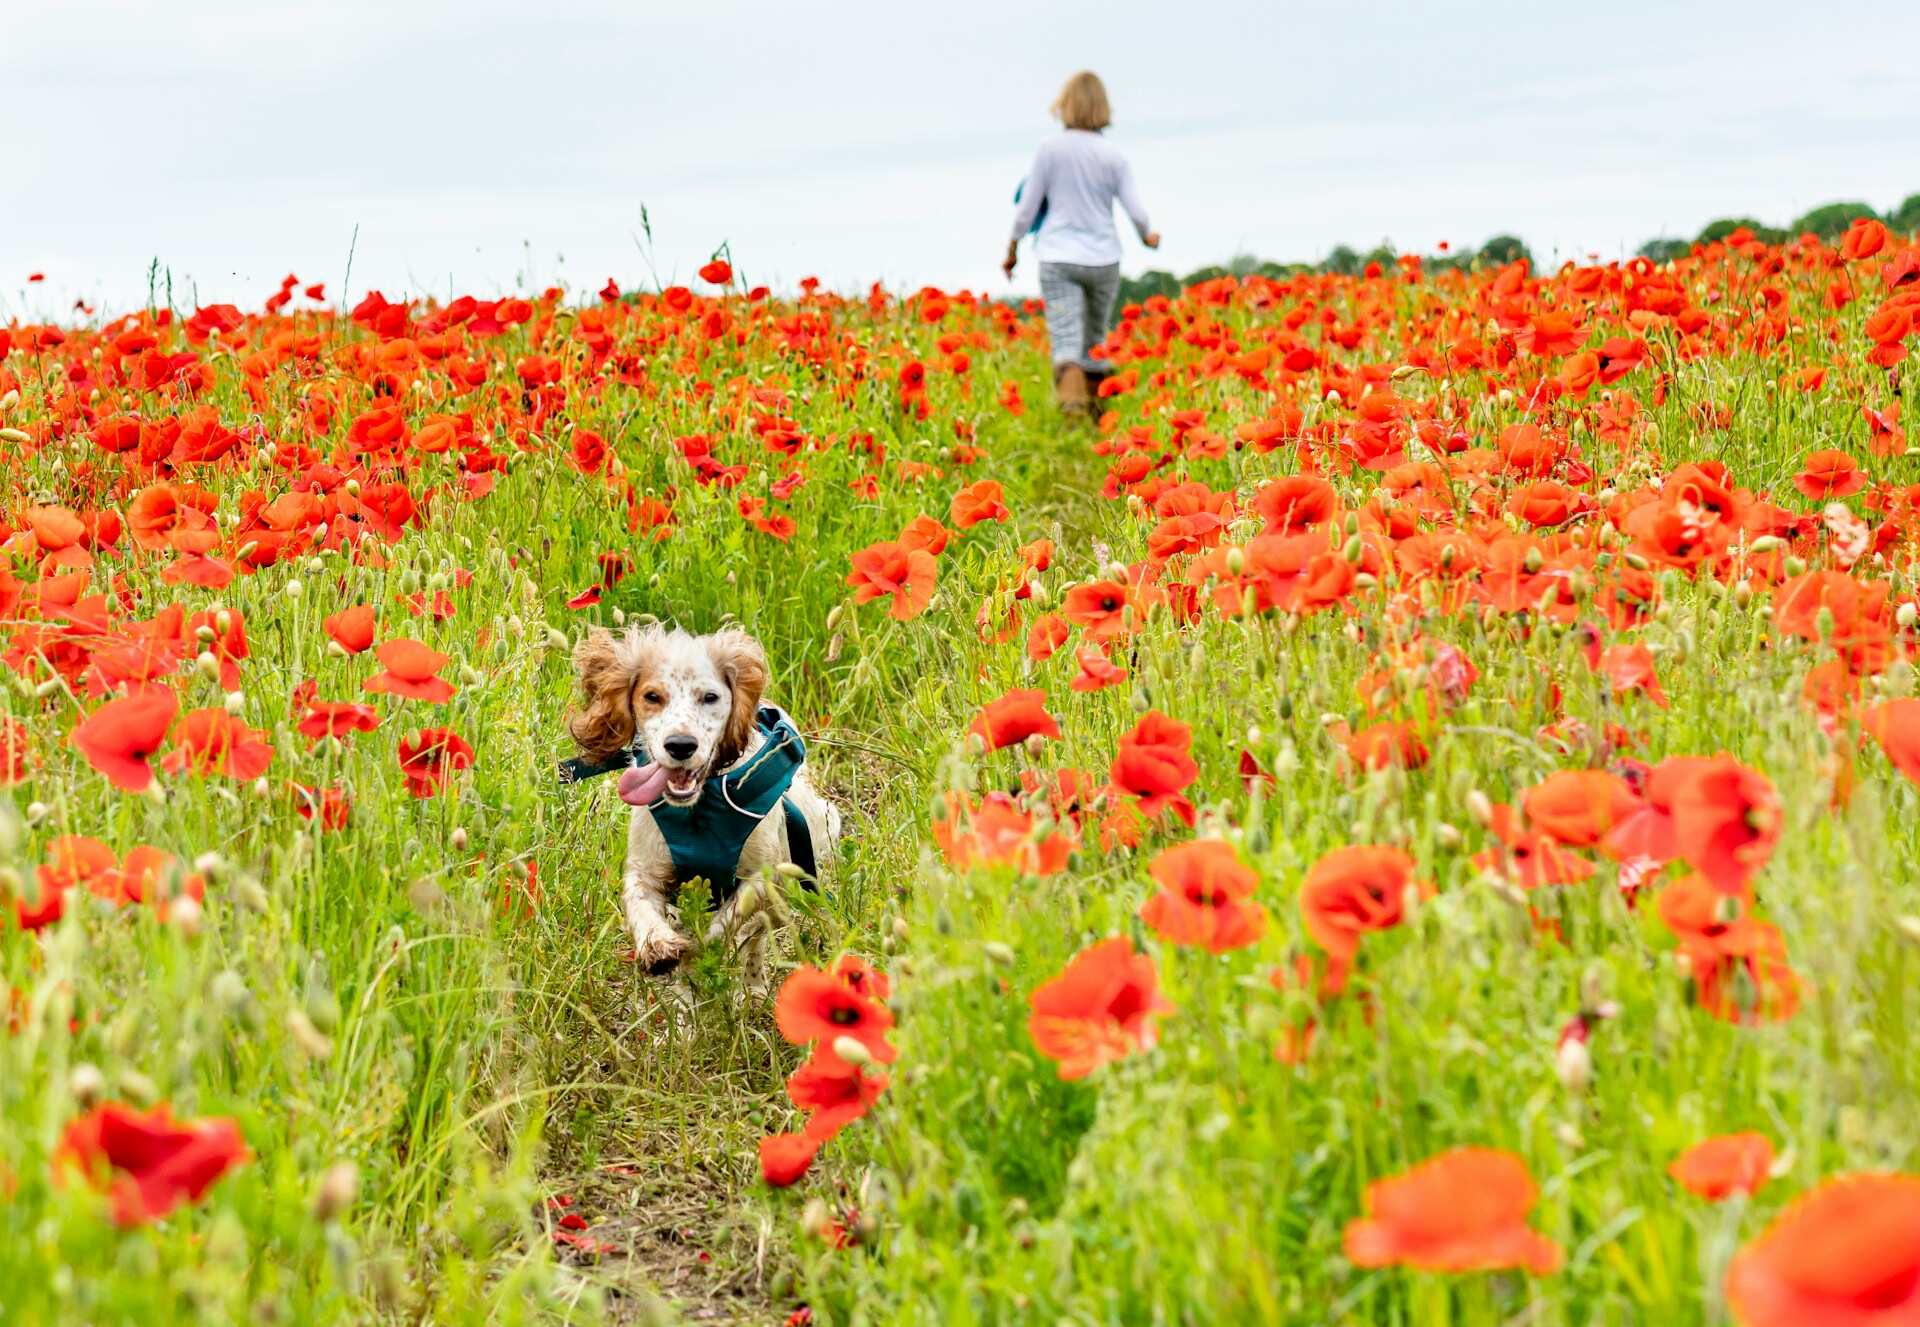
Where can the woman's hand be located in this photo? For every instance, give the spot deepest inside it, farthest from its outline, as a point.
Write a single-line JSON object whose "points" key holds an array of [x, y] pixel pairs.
{"points": [[1008, 263], [1151, 239]]}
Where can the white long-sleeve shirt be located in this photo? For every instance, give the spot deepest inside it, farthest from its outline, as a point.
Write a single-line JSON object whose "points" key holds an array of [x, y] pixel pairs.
{"points": [[1079, 174]]}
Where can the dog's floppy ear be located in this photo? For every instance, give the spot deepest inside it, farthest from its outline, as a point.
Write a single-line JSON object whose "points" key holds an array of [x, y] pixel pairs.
{"points": [[743, 663], [608, 666]]}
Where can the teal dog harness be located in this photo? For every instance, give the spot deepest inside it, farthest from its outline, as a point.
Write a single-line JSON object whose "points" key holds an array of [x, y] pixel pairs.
{"points": [[707, 837]]}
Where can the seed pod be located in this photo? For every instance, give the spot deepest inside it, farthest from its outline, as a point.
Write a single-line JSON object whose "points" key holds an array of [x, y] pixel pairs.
{"points": [[998, 953], [86, 1084], [852, 1050], [337, 1190]]}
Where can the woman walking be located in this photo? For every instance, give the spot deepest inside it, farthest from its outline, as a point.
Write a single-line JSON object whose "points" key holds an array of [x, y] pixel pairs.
{"points": [[1068, 197]]}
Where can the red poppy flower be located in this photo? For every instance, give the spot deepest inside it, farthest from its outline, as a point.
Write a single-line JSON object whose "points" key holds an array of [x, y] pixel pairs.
{"points": [[1385, 744], [926, 534], [1720, 1167], [328, 807], [118, 737], [1351, 891], [1846, 1254], [1205, 897], [151, 876], [410, 672], [72, 861], [890, 570], [1048, 633], [211, 741], [430, 756], [1579, 807], [1830, 474], [1726, 817], [833, 1092], [1102, 609], [13, 752], [1529, 859], [995, 831], [1013, 718], [1629, 668], [815, 1005], [717, 273], [1097, 671], [861, 977], [1895, 725], [1462, 1211], [149, 1163], [1153, 765], [336, 718], [976, 503], [1101, 1007], [785, 1157]]}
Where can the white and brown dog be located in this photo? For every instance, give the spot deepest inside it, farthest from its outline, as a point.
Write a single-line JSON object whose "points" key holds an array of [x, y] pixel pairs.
{"points": [[713, 774]]}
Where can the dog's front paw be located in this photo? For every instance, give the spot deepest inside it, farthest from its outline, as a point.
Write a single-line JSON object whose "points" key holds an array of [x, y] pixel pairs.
{"points": [[661, 952]]}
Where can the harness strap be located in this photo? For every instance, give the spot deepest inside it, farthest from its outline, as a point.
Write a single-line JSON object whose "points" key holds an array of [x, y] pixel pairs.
{"points": [[800, 840]]}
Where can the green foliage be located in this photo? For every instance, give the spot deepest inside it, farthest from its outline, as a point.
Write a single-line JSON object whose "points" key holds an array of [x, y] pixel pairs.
{"points": [[1831, 220], [1665, 250]]}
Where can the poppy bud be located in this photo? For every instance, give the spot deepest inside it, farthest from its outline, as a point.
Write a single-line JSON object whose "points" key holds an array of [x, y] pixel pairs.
{"points": [[458, 839], [1333, 396], [10, 400], [1351, 552], [313, 1043], [1906, 614], [1480, 807], [1637, 562], [37, 812], [619, 618], [353, 487], [1909, 928], [335, 650], [186, 914], [207, 665], [852, 1050], [229, 991], [46, 688], [1823, 622], [1236, 560], [292, 590], [14, 435], [815, 1219], [1794, 566], [900, 931], [998, 953], [86, 1084], [337, 1191], [1573, 1062], [1506, 396], [138, 1086]]}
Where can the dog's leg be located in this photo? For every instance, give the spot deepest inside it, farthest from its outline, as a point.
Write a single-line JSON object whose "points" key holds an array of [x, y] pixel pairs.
{"points": [[658, 946]]}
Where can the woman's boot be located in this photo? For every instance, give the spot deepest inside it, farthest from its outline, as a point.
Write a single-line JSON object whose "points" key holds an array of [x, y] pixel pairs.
{"points": [[1070, 387]]}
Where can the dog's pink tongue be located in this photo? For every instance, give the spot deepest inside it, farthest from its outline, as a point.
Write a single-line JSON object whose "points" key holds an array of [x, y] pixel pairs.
{"points": [[640, 786]]}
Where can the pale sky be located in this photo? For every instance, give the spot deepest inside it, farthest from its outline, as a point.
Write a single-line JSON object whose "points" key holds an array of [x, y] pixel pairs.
{"points": [[483, 147]]}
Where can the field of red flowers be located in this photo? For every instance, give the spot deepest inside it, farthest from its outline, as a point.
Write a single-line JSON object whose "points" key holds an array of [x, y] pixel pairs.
{"points": [[1407, 819]]}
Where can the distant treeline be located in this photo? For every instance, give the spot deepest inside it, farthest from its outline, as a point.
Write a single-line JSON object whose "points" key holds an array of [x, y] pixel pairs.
{"points": [[1827, 222]]}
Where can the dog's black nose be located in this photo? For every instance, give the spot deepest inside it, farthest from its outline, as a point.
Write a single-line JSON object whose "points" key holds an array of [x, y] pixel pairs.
{"points": [[681, 748]]}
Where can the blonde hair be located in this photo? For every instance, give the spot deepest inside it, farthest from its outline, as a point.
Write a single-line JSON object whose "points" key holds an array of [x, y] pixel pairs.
{"points": [[1082, 103]]}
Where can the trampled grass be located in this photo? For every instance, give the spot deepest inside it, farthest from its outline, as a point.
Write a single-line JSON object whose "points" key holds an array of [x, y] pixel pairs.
{"points": [[1554, 523]]}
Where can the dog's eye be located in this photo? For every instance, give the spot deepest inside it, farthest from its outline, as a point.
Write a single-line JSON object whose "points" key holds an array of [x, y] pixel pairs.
{"points": [[711, 698], [651, 697]]}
